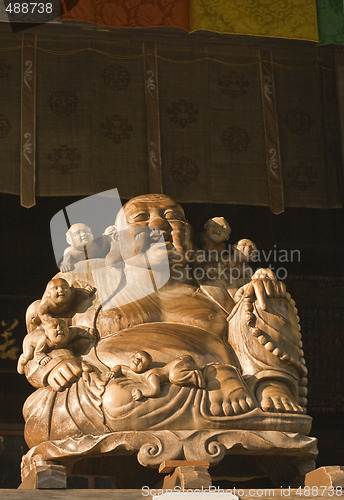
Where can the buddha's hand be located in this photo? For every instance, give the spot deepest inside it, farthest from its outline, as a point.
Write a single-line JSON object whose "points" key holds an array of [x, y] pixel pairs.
{"points": [[64, 375], [264, 285], [181, 236]]}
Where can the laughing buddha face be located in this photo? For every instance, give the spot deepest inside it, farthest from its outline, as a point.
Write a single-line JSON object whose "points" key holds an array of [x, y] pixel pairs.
{"points": [[155, 219]]}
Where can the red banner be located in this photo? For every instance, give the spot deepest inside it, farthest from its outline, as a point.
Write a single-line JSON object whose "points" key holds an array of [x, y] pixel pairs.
{"points": [[131, 13]]}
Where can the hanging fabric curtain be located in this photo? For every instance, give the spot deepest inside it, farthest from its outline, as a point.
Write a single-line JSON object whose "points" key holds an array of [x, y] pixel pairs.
{"points": [[135, 14], [331, 21], [293, 19], [98, 125]]}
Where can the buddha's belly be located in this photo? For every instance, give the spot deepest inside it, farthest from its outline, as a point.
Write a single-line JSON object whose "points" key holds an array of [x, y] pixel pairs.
{"points": [[164, 342], [177, 304], [188, 305]]}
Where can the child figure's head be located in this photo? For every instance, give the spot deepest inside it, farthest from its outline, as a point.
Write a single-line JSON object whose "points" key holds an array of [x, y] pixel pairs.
{"points": [[217, 229], [140, 361], [244, 250], [56, 330], [59, 291], [79, 235]]}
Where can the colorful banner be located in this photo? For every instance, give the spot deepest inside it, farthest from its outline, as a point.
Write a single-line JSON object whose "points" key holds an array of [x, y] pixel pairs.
{"points": [[132, 14], [294, 19], [311, 20], [331, 21]]}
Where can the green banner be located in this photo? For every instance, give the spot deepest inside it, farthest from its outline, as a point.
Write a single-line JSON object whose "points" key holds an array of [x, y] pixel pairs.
{"points": [[331, 21]]}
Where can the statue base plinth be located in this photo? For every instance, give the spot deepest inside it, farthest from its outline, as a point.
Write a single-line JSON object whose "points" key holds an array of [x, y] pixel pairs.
{"points": [[329, 476], [45, 476], [282, 456], [186, 474]]}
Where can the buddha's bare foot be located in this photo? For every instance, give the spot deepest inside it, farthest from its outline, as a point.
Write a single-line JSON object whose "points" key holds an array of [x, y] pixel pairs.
{"points": [[227, 392], [237, 402], [276, 397]]}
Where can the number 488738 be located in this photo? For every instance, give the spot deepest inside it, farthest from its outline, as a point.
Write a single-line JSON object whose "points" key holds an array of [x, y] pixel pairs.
{"points": [[29, 8]]}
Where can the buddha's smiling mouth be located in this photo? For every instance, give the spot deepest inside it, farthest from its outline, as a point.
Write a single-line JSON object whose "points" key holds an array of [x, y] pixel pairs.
{"points": [[157, 234]]}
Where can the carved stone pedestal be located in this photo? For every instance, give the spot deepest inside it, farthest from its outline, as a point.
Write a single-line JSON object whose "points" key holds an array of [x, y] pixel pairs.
{"points": [[282, 456], [186, 474], [45, 476], [326, 476]]}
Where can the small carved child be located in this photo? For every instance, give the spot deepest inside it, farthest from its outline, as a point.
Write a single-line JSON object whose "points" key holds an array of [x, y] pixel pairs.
{"points": [[83, 246], [212, 240], [244, 250], [239, 269], [58, 300], [54, 335], [181, 371]]}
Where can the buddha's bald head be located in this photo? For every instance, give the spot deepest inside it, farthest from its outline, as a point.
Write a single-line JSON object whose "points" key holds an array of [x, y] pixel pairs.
{"points": [[156, 216], [144, 209]]}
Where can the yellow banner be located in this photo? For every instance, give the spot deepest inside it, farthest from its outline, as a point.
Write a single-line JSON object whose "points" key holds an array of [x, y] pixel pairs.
{"points": [[295, 19]]}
